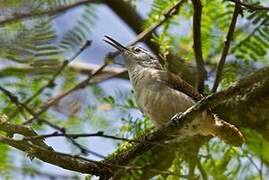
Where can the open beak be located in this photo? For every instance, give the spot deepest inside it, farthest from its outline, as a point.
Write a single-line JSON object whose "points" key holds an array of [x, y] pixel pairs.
{"points": [[115, 44]]}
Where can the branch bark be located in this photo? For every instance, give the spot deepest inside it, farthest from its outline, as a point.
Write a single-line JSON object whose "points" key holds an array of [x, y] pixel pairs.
{"points": [[246, 90], [58, 159], [197, 46], [39, 150], [229, 38]]}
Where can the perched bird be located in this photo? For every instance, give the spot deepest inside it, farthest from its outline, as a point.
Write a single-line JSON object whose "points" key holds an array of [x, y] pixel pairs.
{"points": [[160, 94]]}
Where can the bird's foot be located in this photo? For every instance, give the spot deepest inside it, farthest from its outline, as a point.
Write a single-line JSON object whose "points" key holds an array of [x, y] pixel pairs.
{"points": [[176, 118]]}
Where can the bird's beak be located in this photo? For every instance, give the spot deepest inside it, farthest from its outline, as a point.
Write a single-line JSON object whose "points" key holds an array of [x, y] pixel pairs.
{"points": [[115, 44]]}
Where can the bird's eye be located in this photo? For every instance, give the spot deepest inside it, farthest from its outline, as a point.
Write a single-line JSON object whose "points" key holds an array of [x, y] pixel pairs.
{"points": [[137, 50]]}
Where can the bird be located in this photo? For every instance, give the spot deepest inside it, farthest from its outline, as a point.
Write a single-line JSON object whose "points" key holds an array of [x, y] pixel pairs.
{"points": [[160, 94]]}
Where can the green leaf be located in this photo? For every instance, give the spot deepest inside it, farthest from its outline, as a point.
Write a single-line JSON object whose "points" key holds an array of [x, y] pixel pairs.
{"points": [[257, 144]]}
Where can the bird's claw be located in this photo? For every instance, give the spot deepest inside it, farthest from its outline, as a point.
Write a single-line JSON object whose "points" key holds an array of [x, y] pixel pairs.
{"points": [[176, 117]]}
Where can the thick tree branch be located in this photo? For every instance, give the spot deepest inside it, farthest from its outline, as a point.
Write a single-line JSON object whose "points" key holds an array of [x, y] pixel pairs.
{"points": [[229, 38], [23, 130], [76, 163], [62, 160], [45, 153], [197, 45], [14, 99], [250, 85], [248, 109]]}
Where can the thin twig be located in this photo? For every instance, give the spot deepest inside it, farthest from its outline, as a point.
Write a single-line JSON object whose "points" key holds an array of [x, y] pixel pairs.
{"points": [[56, 99], [14, 99], [126, 12], [83, 150], [50, 12], [144, 34], [20, 105], [229, 38], [82, 68], [201, 169], [197, 46], [253, 163], [191, 174], [51, 82], [261, 162], [257, 28], [167, 16], [79, 135], [251, 7]]}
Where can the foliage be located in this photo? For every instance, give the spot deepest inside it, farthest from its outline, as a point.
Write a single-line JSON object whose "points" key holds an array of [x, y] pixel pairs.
{"points": [[37, 43], [75, 37], [254, 44]]}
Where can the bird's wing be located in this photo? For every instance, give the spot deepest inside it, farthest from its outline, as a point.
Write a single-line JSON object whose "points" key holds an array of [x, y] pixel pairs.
{"points": [[224, 130], [175, 82]]}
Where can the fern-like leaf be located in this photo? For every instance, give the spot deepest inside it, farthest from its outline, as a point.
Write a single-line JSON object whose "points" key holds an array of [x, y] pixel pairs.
{"points": [[77, 36]]}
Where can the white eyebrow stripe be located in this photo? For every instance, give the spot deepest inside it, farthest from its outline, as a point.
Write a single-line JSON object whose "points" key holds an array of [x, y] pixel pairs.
{"points": [[142, 49]]}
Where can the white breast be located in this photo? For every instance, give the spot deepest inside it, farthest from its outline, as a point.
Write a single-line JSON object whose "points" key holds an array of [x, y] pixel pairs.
{"points": [[156, 100]]}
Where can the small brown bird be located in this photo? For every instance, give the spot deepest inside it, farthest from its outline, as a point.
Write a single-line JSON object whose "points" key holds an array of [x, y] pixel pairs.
{"points": [[160, 94]]}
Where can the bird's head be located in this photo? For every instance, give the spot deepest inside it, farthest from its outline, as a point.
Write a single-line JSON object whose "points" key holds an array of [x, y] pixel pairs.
{"points": [[134, 55]]}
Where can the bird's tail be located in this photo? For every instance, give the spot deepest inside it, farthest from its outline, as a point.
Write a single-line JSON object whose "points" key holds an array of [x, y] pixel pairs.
{"points": [[227, 132]]}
